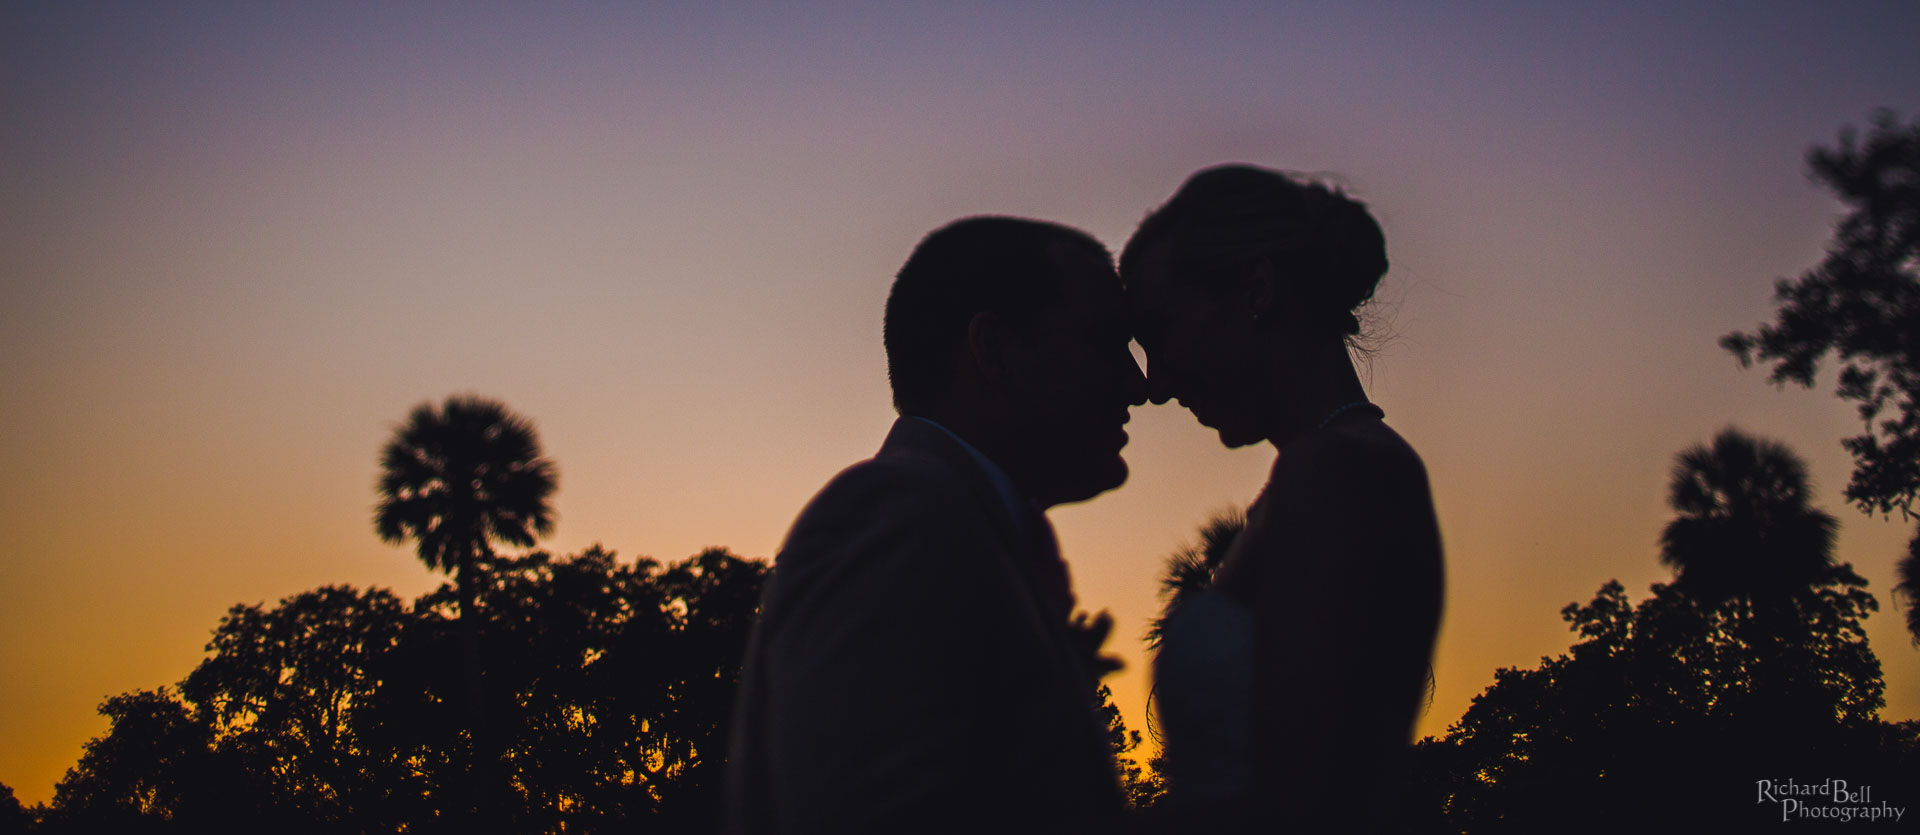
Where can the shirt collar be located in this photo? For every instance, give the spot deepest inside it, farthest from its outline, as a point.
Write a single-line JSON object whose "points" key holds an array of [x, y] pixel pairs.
{"points": [[1017, 505]]}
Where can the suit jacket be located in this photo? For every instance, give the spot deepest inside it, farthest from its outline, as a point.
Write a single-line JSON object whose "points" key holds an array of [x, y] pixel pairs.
{"points": [[901, 677]]}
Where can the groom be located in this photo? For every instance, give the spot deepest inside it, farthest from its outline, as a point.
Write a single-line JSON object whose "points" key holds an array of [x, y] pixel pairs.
{"points": [[913, 668]]}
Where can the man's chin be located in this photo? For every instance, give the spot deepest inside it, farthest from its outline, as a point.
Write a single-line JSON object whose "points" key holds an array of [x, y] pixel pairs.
{"points": [[1109, 475]]}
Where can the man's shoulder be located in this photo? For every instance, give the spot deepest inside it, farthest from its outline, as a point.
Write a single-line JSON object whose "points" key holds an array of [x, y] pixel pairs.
{"points": [[895, 527], [895, 482], [885, 503]]}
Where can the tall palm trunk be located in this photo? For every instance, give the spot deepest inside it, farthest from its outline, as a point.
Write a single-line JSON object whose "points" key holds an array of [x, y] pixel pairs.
{"points": [[484, 766]]}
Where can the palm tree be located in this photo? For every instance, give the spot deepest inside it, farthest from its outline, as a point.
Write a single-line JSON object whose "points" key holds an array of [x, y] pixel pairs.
{"points": [[455, 479], [1745, 526], [1190, 569]]}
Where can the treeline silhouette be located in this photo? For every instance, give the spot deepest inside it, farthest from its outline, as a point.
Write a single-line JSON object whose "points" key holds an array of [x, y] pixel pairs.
{"points": [[608, 687], [1752, 664]]}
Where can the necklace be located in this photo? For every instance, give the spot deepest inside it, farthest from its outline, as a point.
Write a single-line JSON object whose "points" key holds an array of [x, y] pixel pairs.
{"points": [[1342, 410]]}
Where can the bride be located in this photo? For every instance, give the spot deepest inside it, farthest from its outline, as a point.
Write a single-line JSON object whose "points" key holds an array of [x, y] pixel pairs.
{"points": [[1288, 690]]}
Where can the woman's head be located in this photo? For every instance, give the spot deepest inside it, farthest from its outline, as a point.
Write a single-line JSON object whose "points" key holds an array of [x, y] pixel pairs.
{"points": [[1241, 285]]}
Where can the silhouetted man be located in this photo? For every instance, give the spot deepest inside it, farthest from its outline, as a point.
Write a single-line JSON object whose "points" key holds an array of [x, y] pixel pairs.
{"points": [[913, 668]]}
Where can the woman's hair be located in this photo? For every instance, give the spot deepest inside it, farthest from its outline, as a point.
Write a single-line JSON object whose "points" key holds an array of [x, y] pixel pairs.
{"points": [[1323, 245]]}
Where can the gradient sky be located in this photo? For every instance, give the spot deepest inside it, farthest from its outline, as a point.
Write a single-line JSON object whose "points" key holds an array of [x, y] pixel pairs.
{"points": [[240, 241]]}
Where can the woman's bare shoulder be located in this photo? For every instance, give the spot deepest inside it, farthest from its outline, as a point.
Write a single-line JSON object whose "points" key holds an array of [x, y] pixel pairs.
{"points": [[1363, 456], [1357, 499]]}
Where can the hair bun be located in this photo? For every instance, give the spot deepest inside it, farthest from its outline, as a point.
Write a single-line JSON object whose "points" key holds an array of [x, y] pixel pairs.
{"points": [[1358, 249], [1325, 245]]}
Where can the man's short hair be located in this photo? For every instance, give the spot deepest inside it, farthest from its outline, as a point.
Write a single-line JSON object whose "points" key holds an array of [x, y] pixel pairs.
{"points": [[1000, 265]]}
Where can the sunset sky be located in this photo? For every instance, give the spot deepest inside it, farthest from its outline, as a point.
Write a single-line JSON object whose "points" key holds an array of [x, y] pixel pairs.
{"points": [[239, 241]]}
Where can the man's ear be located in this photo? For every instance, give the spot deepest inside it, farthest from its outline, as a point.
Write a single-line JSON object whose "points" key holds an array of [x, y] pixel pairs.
{"points": [[987, 339]]}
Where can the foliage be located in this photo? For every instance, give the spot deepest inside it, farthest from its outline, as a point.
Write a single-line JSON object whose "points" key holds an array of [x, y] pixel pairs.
{"points": [[285, 688], [1744, 523], [1141, 784], [1753, 664], [1862, 305], [337, 709], [1665, 708], [13, 817], [1190, 568], [457, 477], [156, 771]]}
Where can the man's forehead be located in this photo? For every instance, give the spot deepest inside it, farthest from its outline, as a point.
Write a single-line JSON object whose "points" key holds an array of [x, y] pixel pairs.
{"points": [[1148, 280], [1090, 287], [1079, 257], [1092, 283]]}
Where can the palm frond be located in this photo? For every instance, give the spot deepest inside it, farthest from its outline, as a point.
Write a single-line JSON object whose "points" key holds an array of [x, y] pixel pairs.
{"points": [[1190, 568]]}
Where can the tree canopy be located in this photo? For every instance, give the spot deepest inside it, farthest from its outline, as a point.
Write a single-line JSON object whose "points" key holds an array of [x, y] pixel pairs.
{"points": [[1744, 522], [1668, 709], [457, 477], [1861, 305], [336, 709]]}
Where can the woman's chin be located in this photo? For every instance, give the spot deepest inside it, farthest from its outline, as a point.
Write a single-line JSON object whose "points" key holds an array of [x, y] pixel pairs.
{"points": [[1231, 436], [1234, 440]]}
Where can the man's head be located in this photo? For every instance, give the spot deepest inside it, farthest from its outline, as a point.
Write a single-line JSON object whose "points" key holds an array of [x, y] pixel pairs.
{"points": [[1013, 334]]}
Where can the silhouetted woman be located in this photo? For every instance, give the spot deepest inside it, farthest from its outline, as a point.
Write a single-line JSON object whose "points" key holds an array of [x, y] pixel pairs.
{"points": [[1287, 691]]}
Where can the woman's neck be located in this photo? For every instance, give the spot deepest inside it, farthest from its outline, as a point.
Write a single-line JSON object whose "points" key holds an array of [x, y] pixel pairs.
{"points": [[1323, 389]]}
